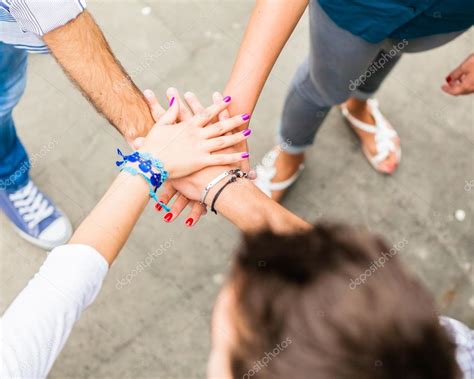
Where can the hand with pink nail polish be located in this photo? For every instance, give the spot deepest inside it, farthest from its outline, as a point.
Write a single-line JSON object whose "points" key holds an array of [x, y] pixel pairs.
{"points": [[188, 146], [192, 185]]}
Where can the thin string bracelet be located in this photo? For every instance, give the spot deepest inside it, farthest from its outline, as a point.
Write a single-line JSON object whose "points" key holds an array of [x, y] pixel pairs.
{"points": [[218, 193]]}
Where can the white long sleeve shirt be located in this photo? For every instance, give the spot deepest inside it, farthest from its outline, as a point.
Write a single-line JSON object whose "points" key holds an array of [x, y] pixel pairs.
{"points": [[24, 22], [37, 324]]}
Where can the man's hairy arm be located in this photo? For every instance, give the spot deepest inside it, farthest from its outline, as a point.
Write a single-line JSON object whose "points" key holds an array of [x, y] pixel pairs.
{"points": [[84, 54]]}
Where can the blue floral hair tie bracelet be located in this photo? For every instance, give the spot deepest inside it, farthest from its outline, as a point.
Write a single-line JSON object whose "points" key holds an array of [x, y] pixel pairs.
{"points": [[148, 167]]}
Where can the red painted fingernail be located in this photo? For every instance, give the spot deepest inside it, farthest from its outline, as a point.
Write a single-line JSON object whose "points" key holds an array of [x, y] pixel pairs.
{"points": [[172, 101], [246, 117], [247, 132], [189, 221], [245, 155], [449, 79], [227, 99], [168, 216], [158, 207]]}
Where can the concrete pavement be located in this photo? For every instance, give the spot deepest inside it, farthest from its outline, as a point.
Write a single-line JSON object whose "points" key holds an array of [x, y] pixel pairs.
{"points": [[157, 326]]}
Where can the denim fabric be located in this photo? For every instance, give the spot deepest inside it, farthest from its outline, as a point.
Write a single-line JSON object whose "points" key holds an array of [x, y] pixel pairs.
{"points": [[14, 163]]}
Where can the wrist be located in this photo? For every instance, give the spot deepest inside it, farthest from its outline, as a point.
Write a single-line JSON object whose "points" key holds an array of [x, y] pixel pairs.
{"points": [[238, 203], [248, 208], [133, 186]]}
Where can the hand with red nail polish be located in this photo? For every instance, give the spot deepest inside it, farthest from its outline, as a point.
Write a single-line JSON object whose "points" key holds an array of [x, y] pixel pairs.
{"points": [[223, 119], [461, 80], [191, 186]]}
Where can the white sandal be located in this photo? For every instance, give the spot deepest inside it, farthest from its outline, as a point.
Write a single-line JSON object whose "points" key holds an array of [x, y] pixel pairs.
{"points": [[266, 171], [384, 134]]}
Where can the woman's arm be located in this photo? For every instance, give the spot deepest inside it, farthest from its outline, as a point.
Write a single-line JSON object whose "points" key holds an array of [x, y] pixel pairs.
{"points": [[183, 149], [248, 208], [110, 223], [271, 24], [35, 327], [242, 203]]}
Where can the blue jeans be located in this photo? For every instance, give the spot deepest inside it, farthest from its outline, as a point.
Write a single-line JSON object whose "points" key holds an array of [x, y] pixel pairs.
{"points": [[14, 162]]}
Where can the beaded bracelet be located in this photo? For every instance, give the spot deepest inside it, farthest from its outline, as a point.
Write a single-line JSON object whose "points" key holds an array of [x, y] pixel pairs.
{"points": [[146, 162]]}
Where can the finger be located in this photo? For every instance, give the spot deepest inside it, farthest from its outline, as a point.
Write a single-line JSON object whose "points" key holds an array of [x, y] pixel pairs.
{"points": [[197, 211], [245, 165], [205, 117], [184, 112], [156, 109], [193, 102], [165, 196], [217, 98], [223, 142], [176, 209], [171, 115], [138, 143], [225, 159], [222, 127]]}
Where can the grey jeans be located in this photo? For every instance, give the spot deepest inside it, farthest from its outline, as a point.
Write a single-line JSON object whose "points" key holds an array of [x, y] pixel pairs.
{"points": [[340, 65]]}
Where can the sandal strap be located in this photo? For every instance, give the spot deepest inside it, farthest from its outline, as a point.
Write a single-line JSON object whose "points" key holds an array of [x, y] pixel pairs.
{"points": [[278, 186], [267, 171], [384, 134]]}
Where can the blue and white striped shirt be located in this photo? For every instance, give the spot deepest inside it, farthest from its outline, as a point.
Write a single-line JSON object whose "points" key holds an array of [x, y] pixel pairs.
{"points": [[24, 22]]}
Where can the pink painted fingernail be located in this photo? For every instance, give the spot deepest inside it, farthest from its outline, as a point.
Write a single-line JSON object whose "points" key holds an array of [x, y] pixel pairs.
{"points": [[227, 99], [172, 101], [245, 155], [246, 117], [247, 132]]}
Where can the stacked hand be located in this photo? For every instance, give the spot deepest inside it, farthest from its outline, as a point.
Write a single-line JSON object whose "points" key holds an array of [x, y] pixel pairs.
{"points": [[207, 150]]}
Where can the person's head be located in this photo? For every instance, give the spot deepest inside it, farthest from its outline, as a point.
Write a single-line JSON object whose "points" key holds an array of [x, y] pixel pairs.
{"points": [[333, 302]]}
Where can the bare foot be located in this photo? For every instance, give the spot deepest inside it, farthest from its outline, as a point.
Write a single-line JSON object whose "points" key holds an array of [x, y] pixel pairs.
{"points": [[286, 166], [360, 110]]}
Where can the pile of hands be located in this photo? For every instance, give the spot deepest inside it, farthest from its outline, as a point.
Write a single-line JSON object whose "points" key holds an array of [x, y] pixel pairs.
{"points": [[195, 144]]}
